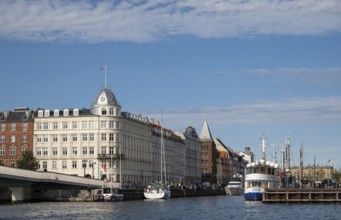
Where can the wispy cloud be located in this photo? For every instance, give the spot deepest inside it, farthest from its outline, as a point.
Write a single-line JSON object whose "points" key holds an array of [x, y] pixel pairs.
{"points": [[141, 21], [318, 74], [295, 111]]}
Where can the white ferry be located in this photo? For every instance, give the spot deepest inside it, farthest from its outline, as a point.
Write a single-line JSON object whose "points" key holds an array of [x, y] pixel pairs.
{"points": [[259, 175]]}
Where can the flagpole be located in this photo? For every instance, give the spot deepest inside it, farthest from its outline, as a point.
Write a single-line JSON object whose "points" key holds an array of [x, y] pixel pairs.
{"points": [[105, 77]]}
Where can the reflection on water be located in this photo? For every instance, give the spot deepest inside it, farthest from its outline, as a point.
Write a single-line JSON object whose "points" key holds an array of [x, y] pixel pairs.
{"points": [[215, 207]]}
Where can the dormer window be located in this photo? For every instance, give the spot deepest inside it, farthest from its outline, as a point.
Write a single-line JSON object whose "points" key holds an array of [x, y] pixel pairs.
{"points": [[47, 113], [111, 111], [104, 111], [75, 112], [66, 112], [56, 113], [40, 113]]}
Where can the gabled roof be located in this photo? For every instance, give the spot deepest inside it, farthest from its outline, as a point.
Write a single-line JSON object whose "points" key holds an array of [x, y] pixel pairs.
{"points": [[205, 135]]}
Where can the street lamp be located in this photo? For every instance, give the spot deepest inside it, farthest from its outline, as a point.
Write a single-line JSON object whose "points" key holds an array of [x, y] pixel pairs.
{"points": [[93, 164], [84, 166]]}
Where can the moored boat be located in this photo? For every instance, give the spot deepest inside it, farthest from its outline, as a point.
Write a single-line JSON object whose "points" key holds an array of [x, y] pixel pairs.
{"points": [[259, 175], [235, 186], [159, 190], [111, 194]]}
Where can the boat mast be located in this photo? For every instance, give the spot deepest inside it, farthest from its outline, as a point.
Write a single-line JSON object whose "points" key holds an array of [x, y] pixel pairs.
{"points": [[288, 152], [263, 140], [161, 149], [163, 157], [301, 163]]}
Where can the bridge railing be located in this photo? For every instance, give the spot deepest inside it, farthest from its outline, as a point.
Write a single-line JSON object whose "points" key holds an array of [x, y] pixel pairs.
{"points": [[35, 176]]}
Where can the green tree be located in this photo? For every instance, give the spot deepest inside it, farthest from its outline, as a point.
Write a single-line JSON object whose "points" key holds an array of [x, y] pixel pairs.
{"points": [[28, 161]]}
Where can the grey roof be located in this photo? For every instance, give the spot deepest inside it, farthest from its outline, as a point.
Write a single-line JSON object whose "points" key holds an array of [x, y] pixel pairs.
{"points": [[15, 116], [190, 132], [81, 112], [110, 97], [205, 134]]}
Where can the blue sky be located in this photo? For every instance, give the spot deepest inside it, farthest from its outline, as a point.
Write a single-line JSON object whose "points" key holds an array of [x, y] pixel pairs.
{"points": [[248, 67]]}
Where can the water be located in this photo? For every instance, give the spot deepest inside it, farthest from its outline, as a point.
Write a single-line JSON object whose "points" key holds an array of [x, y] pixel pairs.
{"points": [[214, 207]]}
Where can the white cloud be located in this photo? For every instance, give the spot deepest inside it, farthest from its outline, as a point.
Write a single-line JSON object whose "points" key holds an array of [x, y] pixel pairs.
{"points": [[316, 110], [332, 74], [140, 21]]}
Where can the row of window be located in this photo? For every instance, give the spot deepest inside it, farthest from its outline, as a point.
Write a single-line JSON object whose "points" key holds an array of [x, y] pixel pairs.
{"points": [[74, 137], [44, 151], [13, 139], [76, 124], [65, 164], [46, 113], [11, 162], [64, 150], [14, 126], [12, 151]]}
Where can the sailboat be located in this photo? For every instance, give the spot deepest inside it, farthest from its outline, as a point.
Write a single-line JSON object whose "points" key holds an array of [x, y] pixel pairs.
{"points": [[159, 190]]}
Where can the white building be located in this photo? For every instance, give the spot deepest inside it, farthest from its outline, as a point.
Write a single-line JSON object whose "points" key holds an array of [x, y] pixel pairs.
{"points": [[192, 171], [104, 142]]}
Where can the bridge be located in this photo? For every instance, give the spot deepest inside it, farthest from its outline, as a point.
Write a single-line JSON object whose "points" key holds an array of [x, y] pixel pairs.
{"points": [[17, 180]]}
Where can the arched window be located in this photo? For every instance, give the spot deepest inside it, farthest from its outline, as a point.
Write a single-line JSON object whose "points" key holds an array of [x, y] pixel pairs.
{"points": [[111, 111], [104, 111]]}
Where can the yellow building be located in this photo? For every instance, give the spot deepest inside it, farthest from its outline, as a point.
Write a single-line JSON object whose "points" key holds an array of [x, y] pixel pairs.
{"points": [[313, 172]]}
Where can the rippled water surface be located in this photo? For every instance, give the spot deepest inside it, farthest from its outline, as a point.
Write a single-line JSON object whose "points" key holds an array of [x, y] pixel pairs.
{"points": [[215, 207]]}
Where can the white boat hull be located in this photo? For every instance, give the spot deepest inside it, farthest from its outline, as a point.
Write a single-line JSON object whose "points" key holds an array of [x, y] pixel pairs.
{"points": [[154, 194], [234, 191]]}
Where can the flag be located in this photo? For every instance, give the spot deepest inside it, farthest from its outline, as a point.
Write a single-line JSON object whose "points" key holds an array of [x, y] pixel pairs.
{"points": [[104, 68], [329, 161], [105, 167]]}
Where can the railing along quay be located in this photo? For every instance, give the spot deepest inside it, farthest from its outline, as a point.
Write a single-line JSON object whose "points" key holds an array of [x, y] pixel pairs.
{"points": [[311, 195]]}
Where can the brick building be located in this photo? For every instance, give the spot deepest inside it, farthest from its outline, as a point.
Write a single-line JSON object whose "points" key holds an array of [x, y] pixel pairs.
{"points": [[16, 135]]}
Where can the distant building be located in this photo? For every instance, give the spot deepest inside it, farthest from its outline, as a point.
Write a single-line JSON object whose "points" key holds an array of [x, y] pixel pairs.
{"points": [[16, 135], [208, 155], [224, 162], [311, 173], [248, 155], [192, 172]]}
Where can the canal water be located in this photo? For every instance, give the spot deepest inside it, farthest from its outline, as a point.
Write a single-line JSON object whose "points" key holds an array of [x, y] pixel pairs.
{"points": [[212, 207]]}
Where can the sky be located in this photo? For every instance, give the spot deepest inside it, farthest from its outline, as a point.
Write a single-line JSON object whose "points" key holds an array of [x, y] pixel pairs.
{"points": [[248, 67]]}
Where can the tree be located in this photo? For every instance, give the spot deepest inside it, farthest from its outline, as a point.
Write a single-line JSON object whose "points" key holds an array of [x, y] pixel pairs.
{"points": [[28, 161]]}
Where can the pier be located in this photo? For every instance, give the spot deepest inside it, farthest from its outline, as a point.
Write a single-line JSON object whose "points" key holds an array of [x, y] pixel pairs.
{"points": [[311, 195]]}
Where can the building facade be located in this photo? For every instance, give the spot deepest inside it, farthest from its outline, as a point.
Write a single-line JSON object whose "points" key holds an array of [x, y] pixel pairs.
{"points": [[208, 155], [103, 142], [313, 173], [192, 172], [16, 135]]}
